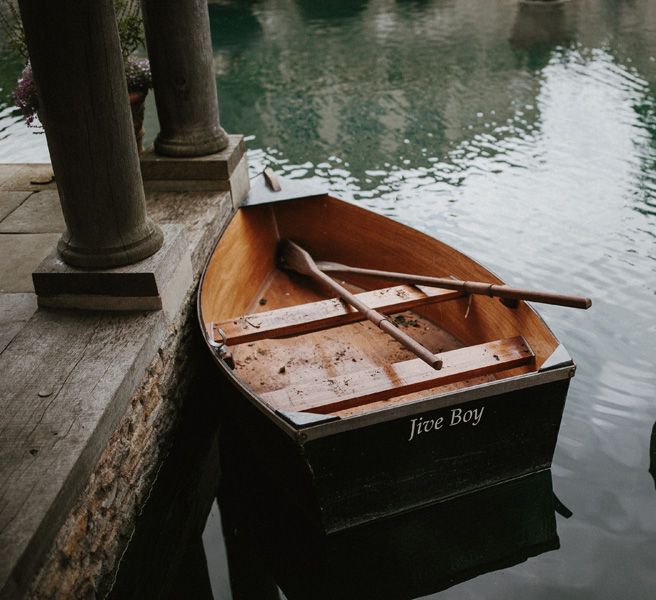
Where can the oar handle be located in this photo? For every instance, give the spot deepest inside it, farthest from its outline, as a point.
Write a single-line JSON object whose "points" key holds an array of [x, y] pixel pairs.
{"points": [[381, 321], [511, 293], [469, 287], [405, 340]]}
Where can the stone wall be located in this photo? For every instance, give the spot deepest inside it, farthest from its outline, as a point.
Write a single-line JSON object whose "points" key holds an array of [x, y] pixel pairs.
{"points": [[88, 548]]}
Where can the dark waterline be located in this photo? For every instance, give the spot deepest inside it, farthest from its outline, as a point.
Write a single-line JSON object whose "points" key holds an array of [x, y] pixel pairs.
{"points": [[524, 136]]}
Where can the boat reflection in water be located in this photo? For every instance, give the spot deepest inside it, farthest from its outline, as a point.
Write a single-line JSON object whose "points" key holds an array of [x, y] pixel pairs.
{"points": [[270, 545], [543, 25], [652, 454]]}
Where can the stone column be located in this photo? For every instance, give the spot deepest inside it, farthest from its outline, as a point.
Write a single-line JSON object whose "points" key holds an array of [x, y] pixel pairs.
{"points": [[181, 60], [78, 69]]}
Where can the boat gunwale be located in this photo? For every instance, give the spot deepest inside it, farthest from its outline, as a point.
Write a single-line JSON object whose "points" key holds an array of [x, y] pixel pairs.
{"points": [[335, 424], [338, 424]]}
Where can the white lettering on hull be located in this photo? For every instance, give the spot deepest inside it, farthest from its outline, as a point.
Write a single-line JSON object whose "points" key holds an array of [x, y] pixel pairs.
{"points": [[458, 416]]}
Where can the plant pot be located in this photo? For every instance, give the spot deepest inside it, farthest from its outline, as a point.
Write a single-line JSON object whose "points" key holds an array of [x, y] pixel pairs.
{"points": [[138, 108]]}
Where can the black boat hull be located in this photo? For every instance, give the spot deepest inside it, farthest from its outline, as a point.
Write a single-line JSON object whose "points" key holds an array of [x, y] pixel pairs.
{"points": [[420, 552], [345, 476]]}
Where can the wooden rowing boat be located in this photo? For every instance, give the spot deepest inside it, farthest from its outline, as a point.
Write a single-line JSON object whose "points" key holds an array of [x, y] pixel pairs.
{"points": [[347, 420]]}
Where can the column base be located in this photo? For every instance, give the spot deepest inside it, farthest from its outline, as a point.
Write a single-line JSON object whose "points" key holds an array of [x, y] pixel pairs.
{"points": [[222, 171], [189, 147], [112, 257], [161, 281]]}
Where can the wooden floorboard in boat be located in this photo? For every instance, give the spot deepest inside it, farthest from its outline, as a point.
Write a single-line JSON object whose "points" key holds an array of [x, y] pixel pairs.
{"points": [[344, 391], [325, 314], [267, 365]]}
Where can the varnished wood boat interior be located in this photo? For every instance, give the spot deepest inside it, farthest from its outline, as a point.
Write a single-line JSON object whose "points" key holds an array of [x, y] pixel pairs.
{"points": [[300, 349]]}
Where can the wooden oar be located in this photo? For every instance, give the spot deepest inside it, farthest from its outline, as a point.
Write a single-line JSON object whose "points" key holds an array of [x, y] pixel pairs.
{"points": [[469, 287], [294, 257]]}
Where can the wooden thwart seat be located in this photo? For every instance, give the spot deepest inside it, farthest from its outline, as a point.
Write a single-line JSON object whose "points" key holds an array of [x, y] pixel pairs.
{"points": [[314, 316], [346, 391]]}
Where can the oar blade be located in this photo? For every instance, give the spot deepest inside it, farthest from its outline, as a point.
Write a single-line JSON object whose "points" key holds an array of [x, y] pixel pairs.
{"points": [[292, 256]]}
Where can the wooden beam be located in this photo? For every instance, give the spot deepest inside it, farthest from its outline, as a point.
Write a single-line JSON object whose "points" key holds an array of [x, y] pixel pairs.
{"points": [[305, 318], [346, 391]]}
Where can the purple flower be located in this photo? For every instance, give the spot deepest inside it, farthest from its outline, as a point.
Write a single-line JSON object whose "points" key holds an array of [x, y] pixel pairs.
{"points": [[25, 95], [137, 74]]}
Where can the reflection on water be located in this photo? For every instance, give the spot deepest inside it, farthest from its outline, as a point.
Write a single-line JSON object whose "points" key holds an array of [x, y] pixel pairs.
{"points": [[652, 453], [543, 25], [528, 140], [525, 136], [407, 556], [245, 27], [257, 545], [329, 11]]}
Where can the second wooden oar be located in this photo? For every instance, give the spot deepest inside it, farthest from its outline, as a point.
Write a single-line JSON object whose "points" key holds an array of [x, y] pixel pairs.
{"points": [[469, 287], [294, 257]]}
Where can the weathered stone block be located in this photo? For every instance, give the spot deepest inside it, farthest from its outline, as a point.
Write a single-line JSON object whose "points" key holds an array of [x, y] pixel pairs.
{"points": [[10, 201], [212, 167], [40, 213], [157, 282], [20, 254]]}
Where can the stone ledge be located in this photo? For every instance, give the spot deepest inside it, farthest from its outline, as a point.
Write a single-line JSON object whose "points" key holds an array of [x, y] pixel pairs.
{"points": [[29, 177], [69, 379], [15, 311], [87, 549]]}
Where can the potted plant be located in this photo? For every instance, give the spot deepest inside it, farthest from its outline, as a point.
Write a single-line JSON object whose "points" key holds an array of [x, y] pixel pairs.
{"points": [[26, 97], [137, 70], [137, 76]]}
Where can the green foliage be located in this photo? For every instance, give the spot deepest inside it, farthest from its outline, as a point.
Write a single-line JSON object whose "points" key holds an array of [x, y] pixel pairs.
{"points": [[128, 20], [131, 35], [12, 27], [130, 26]]}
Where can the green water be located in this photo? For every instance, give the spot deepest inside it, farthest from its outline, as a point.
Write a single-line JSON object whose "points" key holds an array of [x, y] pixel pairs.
{"points": [[526, 137]]}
